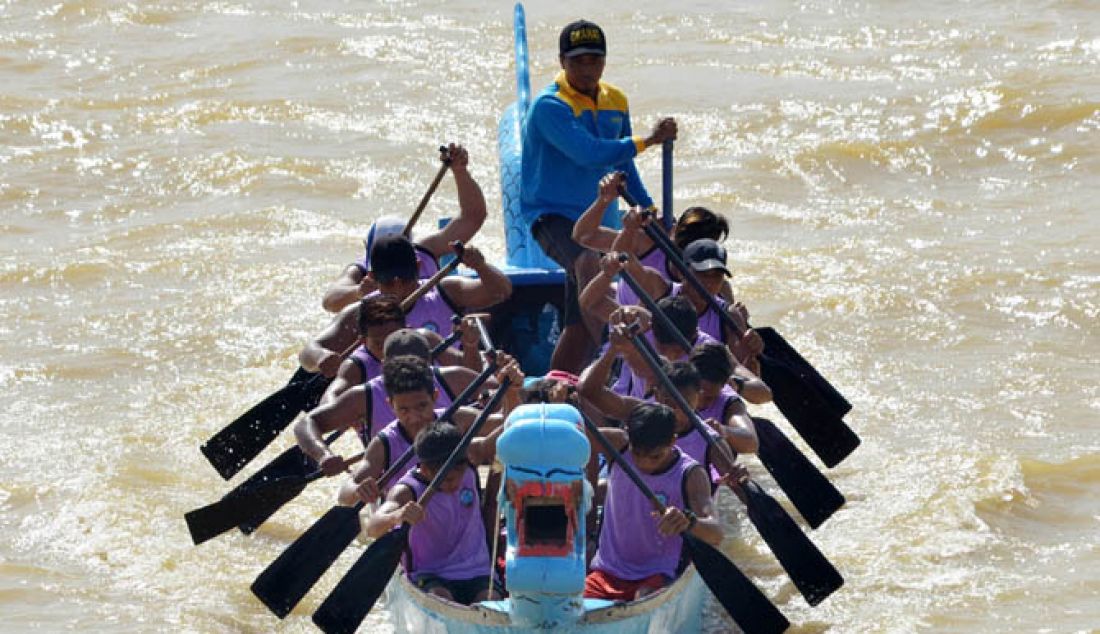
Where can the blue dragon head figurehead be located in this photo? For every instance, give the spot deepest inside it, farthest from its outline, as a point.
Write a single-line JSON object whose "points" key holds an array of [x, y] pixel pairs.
{"points": [[544, 499]]}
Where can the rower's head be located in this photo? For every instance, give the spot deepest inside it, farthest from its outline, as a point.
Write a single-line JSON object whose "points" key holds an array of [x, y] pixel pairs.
{"points": [[651, 428], [707, 259], [407, 342], [410, 391], [558, 386], [433, 445], [683, 316], [582, 51], [393, 266], [715, 366], [697, 223], [379, 317], [685, 378], [384, 226]]}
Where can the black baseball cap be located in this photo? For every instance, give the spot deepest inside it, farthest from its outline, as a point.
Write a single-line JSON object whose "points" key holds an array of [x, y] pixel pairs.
{"points": [[581, 38], [706, 255], [393, 257]]}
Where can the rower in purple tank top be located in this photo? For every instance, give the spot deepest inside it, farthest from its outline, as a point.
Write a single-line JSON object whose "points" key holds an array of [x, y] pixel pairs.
{"points": [[448, 555], [639, 552], [379, 411], [354, 283], [719, 403], [394, 268], [411, 389]]}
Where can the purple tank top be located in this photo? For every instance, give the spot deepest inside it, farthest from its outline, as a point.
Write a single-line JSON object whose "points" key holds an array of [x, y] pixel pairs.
{"points": [[450, 541], [628, 384], [427, 265], [433, 311], [717, 409], [654, 259], [630, 546], [380, 413], [369, 365], [709, 321], [395, 442], [694, 445]]}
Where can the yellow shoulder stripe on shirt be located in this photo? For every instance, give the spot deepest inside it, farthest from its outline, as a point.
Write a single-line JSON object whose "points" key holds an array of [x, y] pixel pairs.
{"points": [[610, 97]]}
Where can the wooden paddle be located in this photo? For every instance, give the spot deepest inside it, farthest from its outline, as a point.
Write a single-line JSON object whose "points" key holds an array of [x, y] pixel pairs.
{"points": [[445, 158], [807, 488], [783, 349], [814, 576], [344, 609], [743, 601], [795, 395], [295, 463], [667, 212], [214, 519], [287, 579], [240, 441]]}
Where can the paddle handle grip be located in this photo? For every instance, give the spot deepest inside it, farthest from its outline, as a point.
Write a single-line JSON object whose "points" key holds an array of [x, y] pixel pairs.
{"points": [[445, 157], [653, 308], [463, 444], [410, 301], [447, 342]]}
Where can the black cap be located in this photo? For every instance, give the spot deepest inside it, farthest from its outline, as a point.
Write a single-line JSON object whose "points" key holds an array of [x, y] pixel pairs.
{"points": [[706, 255], [581, 38], [393, 257]]}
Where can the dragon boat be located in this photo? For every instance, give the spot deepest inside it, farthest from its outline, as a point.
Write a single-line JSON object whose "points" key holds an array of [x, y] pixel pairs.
{"points": [[544, 499]]}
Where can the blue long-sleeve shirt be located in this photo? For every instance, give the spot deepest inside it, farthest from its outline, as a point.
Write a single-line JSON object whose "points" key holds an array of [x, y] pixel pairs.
{"points": [[570, 143]]}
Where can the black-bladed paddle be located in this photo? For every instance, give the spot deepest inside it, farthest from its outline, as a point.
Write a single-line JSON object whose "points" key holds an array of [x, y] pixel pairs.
{"points": [[294, 462], [350, 601], [813, 574], [240, 441], [225, 514], [795, 395], [287, 579], [745, 603], [810, 492]]}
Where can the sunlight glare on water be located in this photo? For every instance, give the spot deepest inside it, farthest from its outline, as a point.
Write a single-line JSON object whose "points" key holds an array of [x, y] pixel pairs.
{"points": [[912, 191]]}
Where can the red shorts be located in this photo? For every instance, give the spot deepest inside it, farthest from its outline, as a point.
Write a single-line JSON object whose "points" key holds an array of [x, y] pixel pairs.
{"points": [[601, 585]]}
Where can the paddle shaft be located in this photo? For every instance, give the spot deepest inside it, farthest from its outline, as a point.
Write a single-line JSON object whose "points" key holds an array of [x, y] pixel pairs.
{"points": [[444, 156], [650, 355], [666, 184], [655, 310]]}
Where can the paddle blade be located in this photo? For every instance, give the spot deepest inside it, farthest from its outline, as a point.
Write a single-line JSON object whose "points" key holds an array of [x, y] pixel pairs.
{"points": [[283, 583], [807, 488], [814, 576], [291, 463], [358, 591], [239, 442], [778, 347], [745, 603], [214, 519], [830, 438]]}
